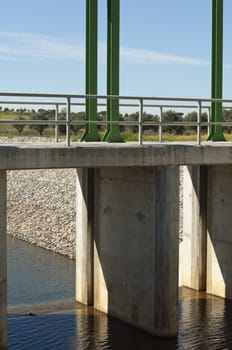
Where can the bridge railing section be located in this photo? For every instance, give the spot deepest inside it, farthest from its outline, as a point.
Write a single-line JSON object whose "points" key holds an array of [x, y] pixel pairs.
{"points": [[139, 108]]}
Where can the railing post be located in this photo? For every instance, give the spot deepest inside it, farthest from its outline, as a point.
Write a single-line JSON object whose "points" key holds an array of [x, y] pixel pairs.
{"points": [[68, 116], [209, 118], [140, 122], [56, 125], [199, 124], [161, 126]]}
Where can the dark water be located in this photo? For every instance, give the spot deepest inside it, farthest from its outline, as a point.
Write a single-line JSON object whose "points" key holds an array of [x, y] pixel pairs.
{"points": [[36, 275], [45, 282]]}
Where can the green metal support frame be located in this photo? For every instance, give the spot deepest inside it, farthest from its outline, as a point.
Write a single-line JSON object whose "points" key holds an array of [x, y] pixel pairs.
{"points": [[113, 23], [113, 27], [216, 132], [91, 133]]}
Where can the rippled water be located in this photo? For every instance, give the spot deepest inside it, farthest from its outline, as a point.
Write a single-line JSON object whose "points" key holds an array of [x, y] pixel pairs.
{"points": [[205, 322], [36, 275]]}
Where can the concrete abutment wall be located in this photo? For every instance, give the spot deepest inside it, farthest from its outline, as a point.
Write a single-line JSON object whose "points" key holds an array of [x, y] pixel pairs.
{"points": [[135, 245]]}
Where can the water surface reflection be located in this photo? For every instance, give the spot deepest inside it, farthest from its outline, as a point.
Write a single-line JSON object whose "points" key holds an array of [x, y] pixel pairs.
{"points": [[204, 323], [57, 323]]}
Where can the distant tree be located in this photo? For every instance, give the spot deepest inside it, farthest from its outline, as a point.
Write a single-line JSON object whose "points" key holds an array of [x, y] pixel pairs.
{"points": [[147, 117], [121, 119], [43, 115], [62, 128], [150, 118], [19, 127], [101, 117], [21, 110], [192, 117], [172, 117], [133, 117], [77, 117], [227, 117], [204, 119]]}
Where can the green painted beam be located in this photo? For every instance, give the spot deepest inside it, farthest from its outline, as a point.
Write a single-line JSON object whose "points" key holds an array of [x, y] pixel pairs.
{"points": [[91, 133], [113, 28], [216, 132]]}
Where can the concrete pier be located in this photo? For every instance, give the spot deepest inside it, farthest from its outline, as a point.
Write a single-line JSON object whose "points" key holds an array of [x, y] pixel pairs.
{"points": [[135, 246], [219, 218], [84, 238], [3, 264], [194, 227], [207, 221]]}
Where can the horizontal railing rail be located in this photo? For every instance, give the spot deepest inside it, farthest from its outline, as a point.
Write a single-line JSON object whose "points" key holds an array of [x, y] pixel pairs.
{"points": [[138, 102]]}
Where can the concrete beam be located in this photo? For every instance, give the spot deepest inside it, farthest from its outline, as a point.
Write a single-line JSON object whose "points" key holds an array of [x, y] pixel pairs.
{"points": [[84, 238], [112, 155], [193, 247], [3, 264], [136, 247]]}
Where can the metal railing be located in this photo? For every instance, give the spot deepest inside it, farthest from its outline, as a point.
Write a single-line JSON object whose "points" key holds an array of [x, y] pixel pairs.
{"points": [[137, 102]]}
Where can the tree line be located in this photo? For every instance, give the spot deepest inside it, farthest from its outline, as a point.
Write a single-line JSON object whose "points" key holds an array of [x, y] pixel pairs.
{"points": [[169, 116]]}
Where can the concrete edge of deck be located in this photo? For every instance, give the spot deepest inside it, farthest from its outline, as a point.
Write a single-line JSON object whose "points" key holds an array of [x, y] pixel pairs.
{"points": [[34, 156]]}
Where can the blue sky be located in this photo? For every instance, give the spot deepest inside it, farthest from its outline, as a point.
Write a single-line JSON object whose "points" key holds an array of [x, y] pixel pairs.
{"points": [[165, 47]]}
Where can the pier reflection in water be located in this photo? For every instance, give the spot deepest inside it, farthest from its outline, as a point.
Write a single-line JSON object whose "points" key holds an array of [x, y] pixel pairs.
{"points": [[205, 322]]}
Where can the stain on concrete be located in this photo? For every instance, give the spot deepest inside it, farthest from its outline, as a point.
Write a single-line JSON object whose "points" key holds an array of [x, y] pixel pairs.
{"points": [[107, 210], [141, 217]]}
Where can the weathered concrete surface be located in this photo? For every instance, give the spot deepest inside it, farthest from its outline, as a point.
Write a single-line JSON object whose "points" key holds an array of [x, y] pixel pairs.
{"points": [[219, 247], [3, 263], [193, 247], [136, 246], [24, 156], [84, 237]]}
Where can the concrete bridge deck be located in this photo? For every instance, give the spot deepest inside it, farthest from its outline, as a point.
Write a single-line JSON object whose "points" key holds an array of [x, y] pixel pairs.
{"points": [[56, 155]]}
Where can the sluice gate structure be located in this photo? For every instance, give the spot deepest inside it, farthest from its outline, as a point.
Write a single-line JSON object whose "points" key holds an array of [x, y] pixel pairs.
{"points": [[128, 197], [128, 224]]}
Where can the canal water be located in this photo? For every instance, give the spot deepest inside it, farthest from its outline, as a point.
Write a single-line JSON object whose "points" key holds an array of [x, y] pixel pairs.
{"points": [[42, 314]]}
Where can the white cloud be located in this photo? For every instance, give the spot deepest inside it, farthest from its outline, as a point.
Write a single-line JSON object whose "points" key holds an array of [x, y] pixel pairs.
{"points": [[153, 58], [36, 46]]}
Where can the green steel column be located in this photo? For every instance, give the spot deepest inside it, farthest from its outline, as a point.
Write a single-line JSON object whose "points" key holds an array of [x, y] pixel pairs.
{"points": [[108, 102], [216, 133], [91, 133], [113, 14]]}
